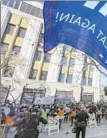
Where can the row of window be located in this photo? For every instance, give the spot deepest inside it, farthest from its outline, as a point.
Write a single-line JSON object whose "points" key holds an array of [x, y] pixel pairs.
{"points": [[11, 3], [32, 10], [10, 29], [10, 70]]}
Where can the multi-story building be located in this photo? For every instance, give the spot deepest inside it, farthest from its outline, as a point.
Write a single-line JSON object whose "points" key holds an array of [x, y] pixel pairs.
{"points": [[25, 64]]}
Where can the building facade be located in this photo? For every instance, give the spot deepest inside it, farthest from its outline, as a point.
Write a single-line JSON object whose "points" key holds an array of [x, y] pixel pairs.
{"points": [[25, 64]]}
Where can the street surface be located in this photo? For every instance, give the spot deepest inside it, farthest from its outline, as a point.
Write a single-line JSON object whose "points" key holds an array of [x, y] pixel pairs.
{"points": [[98, 132]]}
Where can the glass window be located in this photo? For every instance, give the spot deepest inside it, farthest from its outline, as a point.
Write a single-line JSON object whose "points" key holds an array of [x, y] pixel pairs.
{"points": [[85, 66], [90, 81], [41, 13], [37, 13], [91, 67], [10, 29], [69, 78], [71, 62], [9, 72], [61, 77], [28, 9], [85, 59], [83, 81], [23, 7], [64, 61], [33, 10], [16, 49], [38, 55], [33, 74], [43, 75], [11, 3], [4, 48], [22, 32], [47, 57]]}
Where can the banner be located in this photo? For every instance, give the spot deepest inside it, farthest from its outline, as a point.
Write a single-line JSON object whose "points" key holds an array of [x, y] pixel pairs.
{"points": [[83, 25]]}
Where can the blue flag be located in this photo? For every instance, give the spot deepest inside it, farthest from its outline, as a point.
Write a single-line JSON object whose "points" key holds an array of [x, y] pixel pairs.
{"points": [[83, 25]]}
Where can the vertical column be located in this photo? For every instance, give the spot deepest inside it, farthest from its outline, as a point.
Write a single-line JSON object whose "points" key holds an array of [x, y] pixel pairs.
{"points": [[5, 15], [28, 49], [54, 66], [67, 66], [77, 72], [41, 65], [96, 78]]}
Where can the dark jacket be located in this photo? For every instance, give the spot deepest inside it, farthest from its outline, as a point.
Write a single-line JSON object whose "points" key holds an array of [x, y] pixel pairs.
{"points": [[82, 116], [29, 126]]}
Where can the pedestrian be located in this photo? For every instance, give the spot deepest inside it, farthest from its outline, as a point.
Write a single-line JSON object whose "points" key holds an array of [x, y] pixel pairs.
{"points": [[61, 116], [73, 114], [98, 115], [81, 122], [30, 125]]}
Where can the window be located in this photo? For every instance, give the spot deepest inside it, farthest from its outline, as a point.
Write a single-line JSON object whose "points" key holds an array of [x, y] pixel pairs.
{"points": [[28, 9], [4, 48], [90, 81], [85, 59], [91, 67], [38, 55], [61, 77], [22, 32], [9, 72], [23, 6], [71, 62], [33, 10], [85, 66], [16, 50], [64, 61], [33, 74], [83, 81], [69, 78], [9, 29], [43, 75], [47, 57]]}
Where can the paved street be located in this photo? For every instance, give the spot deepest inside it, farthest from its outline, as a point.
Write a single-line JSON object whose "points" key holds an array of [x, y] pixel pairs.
{"points": [[99, 132]]}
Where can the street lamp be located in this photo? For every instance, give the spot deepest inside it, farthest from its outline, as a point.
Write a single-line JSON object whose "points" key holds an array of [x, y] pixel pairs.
{"points": [[81, 94]]}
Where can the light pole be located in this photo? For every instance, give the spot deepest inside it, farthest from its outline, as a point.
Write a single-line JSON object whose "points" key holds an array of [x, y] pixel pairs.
{"points": [[81, 94]]}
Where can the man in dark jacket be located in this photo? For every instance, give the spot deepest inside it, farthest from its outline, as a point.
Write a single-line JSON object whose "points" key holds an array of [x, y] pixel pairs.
{"points": [[81, 118], [29, 125]]}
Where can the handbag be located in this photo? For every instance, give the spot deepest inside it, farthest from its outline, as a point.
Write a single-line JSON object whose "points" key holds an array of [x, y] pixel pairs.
{"points": [[74, 129]]}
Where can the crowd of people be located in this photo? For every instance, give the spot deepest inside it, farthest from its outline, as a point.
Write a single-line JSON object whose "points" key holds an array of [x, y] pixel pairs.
{"points": [[26, 118]]}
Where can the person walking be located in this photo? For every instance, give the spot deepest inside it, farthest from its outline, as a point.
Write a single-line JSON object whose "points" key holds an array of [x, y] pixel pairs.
{"points": [[98, 115], [29, 125], [61, 116], [72, 115], [81, 122]]}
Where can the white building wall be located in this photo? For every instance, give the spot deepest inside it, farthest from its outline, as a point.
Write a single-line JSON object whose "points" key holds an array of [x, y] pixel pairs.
{"points": [[77, 71], [54, 66], [5, 15], [96, 78], [28, 49]]}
